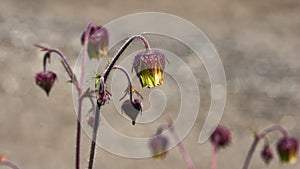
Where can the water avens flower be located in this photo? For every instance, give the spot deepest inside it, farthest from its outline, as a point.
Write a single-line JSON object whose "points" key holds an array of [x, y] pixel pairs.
{"points": [[97, 42], [149, 66], [159, 145], [45, 80], [287, 148], [267, 154], [221, 136]]}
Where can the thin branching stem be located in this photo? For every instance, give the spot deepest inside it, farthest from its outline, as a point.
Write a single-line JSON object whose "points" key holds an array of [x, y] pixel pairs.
{"points": [[128, 79], [74, 80], [257, 138], [64, 62], [121, 50], [186, 156]]}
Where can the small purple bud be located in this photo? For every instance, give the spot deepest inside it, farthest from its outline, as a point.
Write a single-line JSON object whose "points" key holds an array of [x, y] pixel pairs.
{"points": [[221, 136], [287, 148], [158, 145], [132, 110], [45, 80], [267, 154]]}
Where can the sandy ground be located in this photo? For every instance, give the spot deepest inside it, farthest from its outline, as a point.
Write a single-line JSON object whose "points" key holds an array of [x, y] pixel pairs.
{"points": [[258, 42]]}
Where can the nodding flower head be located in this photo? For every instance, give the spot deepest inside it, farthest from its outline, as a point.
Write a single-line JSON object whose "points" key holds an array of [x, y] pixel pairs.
{"points": [[267, 154], [287, 148], [133, 109], [45, 80], [149, 66], [158, 145], [97, 42], [220, 137]]}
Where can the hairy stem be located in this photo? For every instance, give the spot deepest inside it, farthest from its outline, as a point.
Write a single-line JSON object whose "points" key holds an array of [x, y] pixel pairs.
{"points": [[94, 139], [9, 164], [257, 138], [121, 50], [105, 75], [78, 135]]}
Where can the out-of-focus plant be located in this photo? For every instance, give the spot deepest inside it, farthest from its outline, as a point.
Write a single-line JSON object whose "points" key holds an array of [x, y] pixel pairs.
{"points": [[220, 138], [7, 163], [287, 146], [159, 145]]}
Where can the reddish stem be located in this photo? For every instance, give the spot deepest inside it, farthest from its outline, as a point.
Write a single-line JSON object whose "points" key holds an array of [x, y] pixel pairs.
{"points": [[214, 157], [186, 156], [9, 164]]}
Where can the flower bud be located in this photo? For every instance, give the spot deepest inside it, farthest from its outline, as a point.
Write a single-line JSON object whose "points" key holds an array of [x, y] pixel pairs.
{"points": [[267, 154], [98, 41], [149, 66], [220, 137], [132, 110], [287, 148], [158, 145], [45, 80]]}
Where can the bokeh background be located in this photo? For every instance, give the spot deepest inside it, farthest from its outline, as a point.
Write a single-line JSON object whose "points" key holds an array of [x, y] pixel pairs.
{"points": [[258, 43]]}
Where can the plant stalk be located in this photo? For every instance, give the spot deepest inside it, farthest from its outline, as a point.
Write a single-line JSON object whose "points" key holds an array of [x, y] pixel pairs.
{"points": [[9, 164], [257, 138], [105, 75]]}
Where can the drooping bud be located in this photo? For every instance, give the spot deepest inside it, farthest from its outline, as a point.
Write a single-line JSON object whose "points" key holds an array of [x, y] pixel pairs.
{"points": [[287, 148], [158, 145], [267, 154], [221, 136], [45, 80], [98, 41], [132, 110], [149, 66]]}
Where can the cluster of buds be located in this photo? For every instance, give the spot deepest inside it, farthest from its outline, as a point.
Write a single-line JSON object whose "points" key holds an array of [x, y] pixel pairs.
{"points": [[287, 149]]}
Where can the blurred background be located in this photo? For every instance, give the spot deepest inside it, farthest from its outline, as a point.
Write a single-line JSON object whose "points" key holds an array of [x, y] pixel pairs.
{"points": [[258, 43]]}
